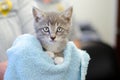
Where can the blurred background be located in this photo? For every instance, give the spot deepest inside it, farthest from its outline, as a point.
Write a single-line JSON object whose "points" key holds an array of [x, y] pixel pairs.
{"points": [[99, 25], [96, 29]]}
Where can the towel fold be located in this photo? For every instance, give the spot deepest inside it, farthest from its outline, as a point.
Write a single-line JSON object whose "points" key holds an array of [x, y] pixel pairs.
{"points": [[28, 61]]}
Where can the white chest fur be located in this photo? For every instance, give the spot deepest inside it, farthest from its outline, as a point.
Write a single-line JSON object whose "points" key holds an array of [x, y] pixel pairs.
{"points": [[57, 60]]}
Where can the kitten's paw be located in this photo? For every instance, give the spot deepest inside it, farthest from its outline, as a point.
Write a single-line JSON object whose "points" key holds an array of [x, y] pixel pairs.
{"points": [[58, 60], [51, 54]]}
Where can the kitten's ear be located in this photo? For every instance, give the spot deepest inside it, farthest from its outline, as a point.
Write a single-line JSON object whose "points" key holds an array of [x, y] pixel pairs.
{"points": [[67, 14], [38, 14]]}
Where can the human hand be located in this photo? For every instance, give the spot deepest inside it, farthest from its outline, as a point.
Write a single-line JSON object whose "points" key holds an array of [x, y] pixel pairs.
{"points": [[3, 66]]}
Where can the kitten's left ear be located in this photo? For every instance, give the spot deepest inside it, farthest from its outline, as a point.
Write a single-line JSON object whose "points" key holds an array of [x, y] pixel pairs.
{"points": [[67, 14], [38, 14]]}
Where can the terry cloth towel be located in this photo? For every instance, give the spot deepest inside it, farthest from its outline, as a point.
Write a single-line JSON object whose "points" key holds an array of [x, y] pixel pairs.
{"points": [[28, 61]]}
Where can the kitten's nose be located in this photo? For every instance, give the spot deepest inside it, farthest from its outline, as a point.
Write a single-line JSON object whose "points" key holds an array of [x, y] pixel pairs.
{"points": [[53, 37]]}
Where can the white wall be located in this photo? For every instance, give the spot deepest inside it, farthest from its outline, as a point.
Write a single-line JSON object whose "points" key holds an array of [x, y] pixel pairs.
{"points": [[102, 15]]}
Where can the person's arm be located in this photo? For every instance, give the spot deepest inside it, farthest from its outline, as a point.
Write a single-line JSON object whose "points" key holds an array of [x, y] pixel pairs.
{"points": [[77, 43], [3, 66]]}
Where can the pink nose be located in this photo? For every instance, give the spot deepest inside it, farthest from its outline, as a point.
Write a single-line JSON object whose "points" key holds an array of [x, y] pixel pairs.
{"points": [[52, 37]]}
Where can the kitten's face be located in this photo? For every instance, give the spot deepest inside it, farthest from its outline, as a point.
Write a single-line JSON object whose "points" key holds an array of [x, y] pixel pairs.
{"points": [[52, 28]]}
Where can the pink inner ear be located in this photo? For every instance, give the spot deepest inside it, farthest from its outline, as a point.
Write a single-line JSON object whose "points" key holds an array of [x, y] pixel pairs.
{"points": [[67, 17], [34, 12], [37, 19]]}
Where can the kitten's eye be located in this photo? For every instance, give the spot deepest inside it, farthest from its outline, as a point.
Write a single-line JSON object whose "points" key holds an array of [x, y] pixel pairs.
{"points": [[59, 29], [45, 29]]}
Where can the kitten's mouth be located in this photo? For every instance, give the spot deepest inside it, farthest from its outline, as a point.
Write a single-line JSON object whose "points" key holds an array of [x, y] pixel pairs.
{"points": [[52, 41]]}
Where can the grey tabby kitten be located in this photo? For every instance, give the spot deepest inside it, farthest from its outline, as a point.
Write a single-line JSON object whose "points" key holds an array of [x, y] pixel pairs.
{"points": [[52, 30]]}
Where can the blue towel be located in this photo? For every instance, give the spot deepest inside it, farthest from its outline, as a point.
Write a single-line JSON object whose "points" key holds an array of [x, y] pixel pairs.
{"points": [[28, 61]]}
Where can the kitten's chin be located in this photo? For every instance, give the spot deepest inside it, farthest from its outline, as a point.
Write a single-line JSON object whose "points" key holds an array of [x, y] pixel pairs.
{"points": [[55, 46], [53, 41]]}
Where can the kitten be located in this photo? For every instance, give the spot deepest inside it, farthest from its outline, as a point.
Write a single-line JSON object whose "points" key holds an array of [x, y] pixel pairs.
{"points": [[52, 30]]}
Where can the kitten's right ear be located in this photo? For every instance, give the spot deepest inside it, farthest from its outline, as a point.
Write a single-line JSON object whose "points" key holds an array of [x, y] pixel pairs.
{"points": [[67, 14], [38, 14]]}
